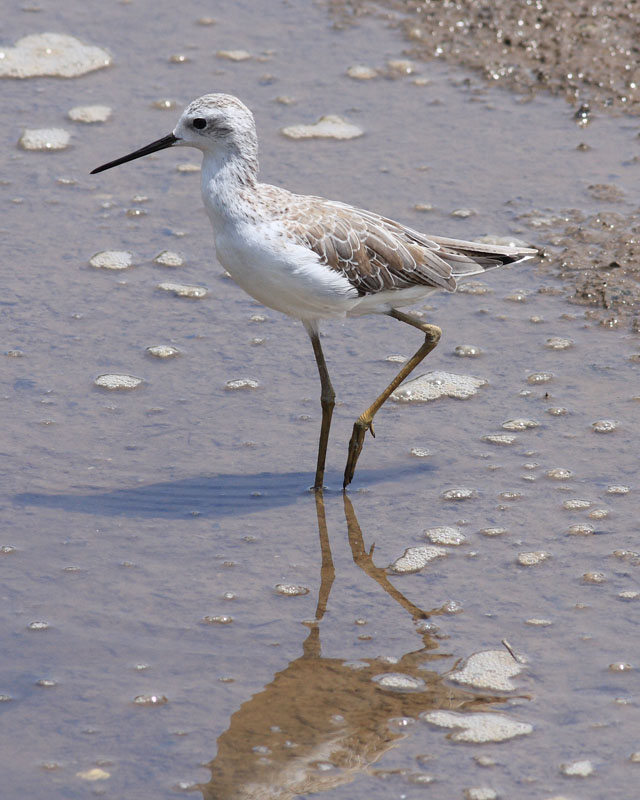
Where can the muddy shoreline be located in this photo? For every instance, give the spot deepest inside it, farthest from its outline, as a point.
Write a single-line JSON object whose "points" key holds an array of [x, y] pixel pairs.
{"points": [[582, 52]]}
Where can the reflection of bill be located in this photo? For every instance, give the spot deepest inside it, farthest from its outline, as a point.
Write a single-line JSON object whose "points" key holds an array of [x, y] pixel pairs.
{"points": [[323, 721]]}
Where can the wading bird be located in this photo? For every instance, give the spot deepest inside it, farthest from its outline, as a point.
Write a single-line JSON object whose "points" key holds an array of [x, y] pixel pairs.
{"points": [[313, 258]]}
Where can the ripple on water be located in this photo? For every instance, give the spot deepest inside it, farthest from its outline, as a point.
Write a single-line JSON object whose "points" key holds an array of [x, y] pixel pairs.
{"points": [[54, 54]]}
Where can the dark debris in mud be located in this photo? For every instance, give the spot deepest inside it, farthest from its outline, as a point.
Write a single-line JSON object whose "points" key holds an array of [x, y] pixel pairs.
{"points": [[588, 52], [597, 257]]}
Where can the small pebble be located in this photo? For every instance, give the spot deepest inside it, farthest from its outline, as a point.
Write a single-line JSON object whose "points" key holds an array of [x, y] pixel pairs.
{"points": [[242, 384], [559, 474], [576, 504], [493, 531], [618, 489], [540, 377], [519, 424], [480, 793], [533, 559], [234, 55], [502, 439], [182, 290], [604, 426], [461, 493], [468, 351], [95, 774], [593, 577], [558, 343], [579, 769], [581, 529], [163, 351], [291, 590], [361, 73], [420, 452], [150, 700]]}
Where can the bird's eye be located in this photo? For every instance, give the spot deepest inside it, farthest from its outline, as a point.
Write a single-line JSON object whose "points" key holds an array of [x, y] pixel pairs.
{"points": [[199, 123]]}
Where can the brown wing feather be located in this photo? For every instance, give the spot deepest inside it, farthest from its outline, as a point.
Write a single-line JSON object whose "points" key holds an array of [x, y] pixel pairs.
{"points": [[376, 254]]}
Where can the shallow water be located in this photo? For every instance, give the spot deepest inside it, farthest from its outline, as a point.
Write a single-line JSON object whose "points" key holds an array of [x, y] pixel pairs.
{"points": [[134, 514]]}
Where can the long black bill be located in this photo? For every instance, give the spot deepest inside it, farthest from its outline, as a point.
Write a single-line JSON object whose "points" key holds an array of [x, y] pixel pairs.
{"points": [[159, 144]]}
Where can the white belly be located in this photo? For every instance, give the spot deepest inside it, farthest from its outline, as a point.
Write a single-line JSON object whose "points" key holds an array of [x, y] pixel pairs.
{"points": [[283, 275]]}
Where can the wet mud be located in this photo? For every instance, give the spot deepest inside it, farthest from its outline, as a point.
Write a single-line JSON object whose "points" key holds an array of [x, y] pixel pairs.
{"points": [[583, 52]]}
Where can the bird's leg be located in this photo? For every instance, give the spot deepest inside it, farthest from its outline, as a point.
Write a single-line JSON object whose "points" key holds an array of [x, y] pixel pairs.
{"points": [[365, 421], [327, 400]]}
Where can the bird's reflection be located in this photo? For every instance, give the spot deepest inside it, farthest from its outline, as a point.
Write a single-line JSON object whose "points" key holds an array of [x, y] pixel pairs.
{"points": [[323, 721]]}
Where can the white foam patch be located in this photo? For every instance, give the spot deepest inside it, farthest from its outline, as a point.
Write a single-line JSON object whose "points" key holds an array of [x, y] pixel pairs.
{"points": [[327, 127], [89, 114], [44, 139], [54, 54], [116, 382], [478, 728], [433, 385], [489, 669], [112, 259], [415, 558]]}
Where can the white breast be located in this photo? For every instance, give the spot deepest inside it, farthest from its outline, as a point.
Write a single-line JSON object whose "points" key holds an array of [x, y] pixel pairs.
{"points": [[280, 273]]}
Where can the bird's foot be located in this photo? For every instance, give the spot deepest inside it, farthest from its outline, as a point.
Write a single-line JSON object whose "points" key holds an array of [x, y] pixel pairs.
{"points": [[360, 428]]}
